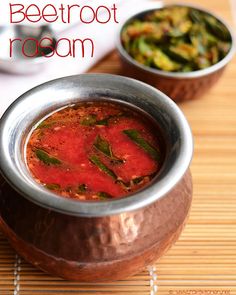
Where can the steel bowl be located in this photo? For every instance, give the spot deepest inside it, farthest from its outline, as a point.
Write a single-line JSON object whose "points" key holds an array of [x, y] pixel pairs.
{"points": [[178, 86], [93, 241], [27, 63]]}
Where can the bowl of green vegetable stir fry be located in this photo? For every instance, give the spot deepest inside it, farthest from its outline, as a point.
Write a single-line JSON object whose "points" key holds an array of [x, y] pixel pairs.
{"points": [[182, 50]]}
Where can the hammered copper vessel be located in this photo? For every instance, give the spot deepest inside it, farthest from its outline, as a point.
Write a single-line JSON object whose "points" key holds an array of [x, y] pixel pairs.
{"points": [[93, 241]]}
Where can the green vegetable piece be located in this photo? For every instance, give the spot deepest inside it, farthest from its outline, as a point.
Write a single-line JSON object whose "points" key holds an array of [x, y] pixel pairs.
{"points": [[89, 120], [214, 54], [46, 158], [163, 62], [103, 146], [144, 48], [181, 29], [82, 188], [176, 56], [217, 28], [198, 44], [135, 136], [134, 50], [149, 61], [104, 196], [183, 52], [175, 32], [187, 68], [125, 39], [45, 125], [209, 39], [195, 15], [96, 161], [103, 122], [106, 120], [138, 180], [53, 186]]}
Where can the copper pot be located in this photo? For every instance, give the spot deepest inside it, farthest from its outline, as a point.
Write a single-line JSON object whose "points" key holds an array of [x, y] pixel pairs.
{"points": [[93, 241]]}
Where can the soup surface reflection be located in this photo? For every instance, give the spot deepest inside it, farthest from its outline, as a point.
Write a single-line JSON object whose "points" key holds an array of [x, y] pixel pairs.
{"points": [[94, 151]]}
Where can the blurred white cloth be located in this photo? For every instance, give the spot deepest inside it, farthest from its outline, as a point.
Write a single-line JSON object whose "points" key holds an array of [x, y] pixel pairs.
{"points": [[104, 37]]}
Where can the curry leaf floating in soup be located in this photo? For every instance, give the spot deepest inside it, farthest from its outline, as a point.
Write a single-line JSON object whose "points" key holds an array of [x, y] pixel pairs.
{"points": [[94, 151]]}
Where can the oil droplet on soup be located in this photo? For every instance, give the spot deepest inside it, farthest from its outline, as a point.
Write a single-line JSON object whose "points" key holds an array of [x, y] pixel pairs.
{"points": [[94, 151]]}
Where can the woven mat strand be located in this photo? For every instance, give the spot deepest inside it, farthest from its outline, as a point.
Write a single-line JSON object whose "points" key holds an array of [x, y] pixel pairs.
{"points": [[19, 278]]}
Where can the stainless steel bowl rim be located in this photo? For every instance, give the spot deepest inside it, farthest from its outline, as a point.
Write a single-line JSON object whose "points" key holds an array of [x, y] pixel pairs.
{"points": [[179, 75], [36, 193]]}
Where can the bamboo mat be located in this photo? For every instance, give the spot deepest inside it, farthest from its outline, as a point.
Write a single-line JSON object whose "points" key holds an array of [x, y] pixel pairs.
{"points": [[203, 261]]}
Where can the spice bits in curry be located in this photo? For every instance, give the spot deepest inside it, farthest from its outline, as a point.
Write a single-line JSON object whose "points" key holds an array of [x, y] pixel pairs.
{"points": [[176, 39], [94, 151]]}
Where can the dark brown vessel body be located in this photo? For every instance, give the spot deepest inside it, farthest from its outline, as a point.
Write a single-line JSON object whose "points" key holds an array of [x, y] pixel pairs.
{"points": [[99, 248]]}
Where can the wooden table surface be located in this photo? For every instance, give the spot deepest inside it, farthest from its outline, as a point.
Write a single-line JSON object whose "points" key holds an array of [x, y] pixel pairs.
{"points": [[203, 261]]}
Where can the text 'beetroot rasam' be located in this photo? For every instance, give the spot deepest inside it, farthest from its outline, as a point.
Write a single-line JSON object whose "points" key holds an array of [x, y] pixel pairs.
{"points": [[95, 151]]}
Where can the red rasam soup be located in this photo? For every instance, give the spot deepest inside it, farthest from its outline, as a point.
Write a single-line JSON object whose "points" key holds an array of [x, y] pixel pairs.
{"points": [[95, 151]]}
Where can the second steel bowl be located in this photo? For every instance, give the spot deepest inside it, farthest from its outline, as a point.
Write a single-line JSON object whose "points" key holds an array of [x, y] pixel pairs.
{"points": [[179, 86], [25, 59], [93, 241]]}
